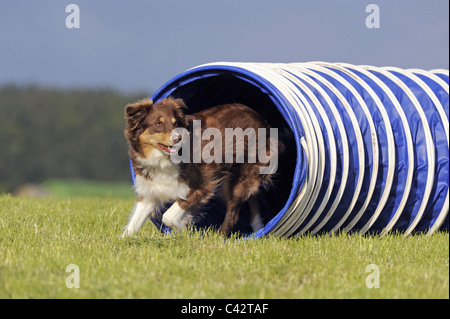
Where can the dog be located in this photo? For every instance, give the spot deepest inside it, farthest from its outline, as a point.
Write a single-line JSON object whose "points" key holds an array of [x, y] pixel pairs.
{"points": [[189, 185]]}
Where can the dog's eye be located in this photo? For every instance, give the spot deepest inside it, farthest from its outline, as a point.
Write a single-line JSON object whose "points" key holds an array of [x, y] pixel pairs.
{"points": [[159, 123]]}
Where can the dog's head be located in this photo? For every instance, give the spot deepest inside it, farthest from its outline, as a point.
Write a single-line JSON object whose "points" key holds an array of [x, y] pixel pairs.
{"points": [[150, 126]]}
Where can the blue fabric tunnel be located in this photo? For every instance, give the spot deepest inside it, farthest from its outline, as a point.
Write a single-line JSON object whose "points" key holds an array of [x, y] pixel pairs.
{"points": [[367, 148]]}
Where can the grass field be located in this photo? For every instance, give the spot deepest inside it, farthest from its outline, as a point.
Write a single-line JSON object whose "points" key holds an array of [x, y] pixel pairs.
{"points": [[85, 188], [40, 238]]}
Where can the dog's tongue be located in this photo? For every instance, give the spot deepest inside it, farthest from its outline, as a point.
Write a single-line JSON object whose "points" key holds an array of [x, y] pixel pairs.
{"points": [[167, 149]]}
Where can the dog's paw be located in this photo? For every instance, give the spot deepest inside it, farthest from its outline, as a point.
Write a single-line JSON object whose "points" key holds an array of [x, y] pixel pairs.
{"points": [[176, 218], [127, 233], [181, 223]]}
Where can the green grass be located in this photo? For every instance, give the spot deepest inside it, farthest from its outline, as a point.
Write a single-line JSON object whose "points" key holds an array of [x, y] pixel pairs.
{"points": [[39, 238], [86, 188]]}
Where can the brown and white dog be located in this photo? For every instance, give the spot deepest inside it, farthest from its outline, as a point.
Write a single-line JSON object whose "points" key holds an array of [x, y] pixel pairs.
{"points": [[191, 184]]}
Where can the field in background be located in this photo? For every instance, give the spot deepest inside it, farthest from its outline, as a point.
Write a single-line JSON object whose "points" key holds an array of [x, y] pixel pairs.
{"points": [[41, 237], [67, 188], [48, 133]]}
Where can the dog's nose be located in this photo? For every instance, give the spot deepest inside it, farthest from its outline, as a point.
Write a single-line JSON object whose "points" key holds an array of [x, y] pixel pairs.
{"points": [[176, 138]]}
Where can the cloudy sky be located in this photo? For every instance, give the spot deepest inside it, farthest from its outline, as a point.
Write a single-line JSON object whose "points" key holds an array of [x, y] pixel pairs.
{"points": [[134, 45]]}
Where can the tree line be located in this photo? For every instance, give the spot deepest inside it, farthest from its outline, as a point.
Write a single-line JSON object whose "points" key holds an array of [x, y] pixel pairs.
{"points": [[62, 133]]}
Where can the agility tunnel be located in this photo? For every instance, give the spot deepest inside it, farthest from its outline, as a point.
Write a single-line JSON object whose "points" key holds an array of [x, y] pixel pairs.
{"points": [[366, 148]]}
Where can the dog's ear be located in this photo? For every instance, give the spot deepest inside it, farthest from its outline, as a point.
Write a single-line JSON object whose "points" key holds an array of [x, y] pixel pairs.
{"points": [[136, 112], [179, 104], [179, 114]]}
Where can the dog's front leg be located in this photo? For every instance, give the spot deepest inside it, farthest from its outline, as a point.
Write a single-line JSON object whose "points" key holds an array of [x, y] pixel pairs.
{"points": [[180, 214], [176, 217], [142, 210]]}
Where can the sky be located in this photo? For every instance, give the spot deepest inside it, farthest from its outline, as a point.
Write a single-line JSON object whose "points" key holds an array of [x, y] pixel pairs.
{"points": [[137, 45]]}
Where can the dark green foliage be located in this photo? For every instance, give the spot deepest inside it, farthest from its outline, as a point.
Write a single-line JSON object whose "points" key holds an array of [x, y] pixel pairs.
{"points": [[52, 133]]}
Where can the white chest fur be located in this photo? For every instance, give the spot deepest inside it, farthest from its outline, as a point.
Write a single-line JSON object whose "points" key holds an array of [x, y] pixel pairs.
{"points": [[162, 183]]}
